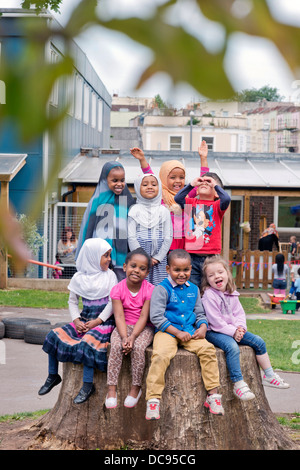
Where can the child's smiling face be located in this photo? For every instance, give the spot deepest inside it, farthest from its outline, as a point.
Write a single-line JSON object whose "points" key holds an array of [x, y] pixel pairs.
{"points": [[176, 180], [116, 180], [149, 187], [105, 261], [136, 269], [217, 276], [179, 270]]}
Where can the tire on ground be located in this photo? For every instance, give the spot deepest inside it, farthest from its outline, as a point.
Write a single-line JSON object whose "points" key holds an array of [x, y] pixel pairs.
{"points": [[15, 327], [36, 333]]}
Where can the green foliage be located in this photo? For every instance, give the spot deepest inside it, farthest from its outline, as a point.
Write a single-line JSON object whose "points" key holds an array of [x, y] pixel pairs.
{"points": [[254, 94], [30, 233], [159, 101], [41, 4]]}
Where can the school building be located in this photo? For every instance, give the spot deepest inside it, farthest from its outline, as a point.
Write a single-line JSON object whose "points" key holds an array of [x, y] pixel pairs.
{"points": [[86, 125]]}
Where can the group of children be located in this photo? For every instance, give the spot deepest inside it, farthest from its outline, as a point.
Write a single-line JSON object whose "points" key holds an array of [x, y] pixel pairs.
{"points": [[162, 249]]}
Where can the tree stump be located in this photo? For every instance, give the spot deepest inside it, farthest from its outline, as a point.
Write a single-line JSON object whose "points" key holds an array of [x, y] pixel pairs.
{"points": [[184, 424]]}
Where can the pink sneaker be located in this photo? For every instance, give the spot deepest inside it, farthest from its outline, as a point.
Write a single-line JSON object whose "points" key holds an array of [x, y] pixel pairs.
{"points": [[213, 403], [153, 409]]}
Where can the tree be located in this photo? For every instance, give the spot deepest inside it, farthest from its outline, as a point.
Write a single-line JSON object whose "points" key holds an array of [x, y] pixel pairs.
{"points": [[159, 101], [184, 423], [266, 92]]}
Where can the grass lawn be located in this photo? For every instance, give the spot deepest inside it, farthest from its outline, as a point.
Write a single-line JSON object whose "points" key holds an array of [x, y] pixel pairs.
{"points": [[279, 335]]}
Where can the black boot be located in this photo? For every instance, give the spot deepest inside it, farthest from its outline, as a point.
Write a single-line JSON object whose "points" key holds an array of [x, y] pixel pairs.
{"points": [[52, 381], [84, 394]]}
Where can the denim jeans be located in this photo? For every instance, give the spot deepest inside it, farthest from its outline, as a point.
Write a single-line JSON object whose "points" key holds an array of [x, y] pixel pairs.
{"points": [[197, 264], [232, 351]]}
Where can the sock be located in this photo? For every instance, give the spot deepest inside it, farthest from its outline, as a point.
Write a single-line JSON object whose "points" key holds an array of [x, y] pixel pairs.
{"points": [[269, 372], [87, 386]]}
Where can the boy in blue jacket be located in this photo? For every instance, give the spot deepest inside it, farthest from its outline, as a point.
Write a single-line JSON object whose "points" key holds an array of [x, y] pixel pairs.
{"points": [[177, 313]]}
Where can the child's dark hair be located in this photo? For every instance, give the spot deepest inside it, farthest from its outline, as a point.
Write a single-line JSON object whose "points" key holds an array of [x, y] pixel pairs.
{"points": [[298, 271], [178, 253], [215, 177], [279, 260], [139, 251]]}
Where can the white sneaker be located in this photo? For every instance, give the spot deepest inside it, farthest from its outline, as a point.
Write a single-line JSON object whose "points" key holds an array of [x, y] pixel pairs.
{"points": [[131, 402], [242, 391], [153, 409], [213, 403], [274, 381], [111, 402]]}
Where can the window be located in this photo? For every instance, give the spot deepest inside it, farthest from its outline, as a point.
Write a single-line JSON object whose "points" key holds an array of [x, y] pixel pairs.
{"points": [[210, 142], [100, 115], [78, 97], [288, 212], [175, 142], [86, 104], [70, 94], [54, 92], [94, 111]]}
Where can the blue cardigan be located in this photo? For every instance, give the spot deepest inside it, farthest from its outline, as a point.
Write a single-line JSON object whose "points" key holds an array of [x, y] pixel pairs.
{"points": [[176, 305]]}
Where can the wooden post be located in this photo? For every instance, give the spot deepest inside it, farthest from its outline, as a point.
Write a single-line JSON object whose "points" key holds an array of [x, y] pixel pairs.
{"points": [[4, 204], [246, 218], [226, 234]]}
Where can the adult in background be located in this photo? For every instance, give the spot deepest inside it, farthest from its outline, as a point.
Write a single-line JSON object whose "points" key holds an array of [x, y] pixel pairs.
{"points": [[268, 239]]}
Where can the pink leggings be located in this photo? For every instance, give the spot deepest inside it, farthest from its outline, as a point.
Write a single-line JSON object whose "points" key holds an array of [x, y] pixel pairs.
{"points": [[137, 355]]}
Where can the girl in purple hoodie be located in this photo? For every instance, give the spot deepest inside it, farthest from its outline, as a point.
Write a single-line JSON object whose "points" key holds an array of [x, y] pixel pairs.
{"points": [[227, 326]]}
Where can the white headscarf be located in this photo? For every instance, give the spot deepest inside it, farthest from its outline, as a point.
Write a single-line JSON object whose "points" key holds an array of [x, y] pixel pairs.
{"points": [[148, 212], [90, 281]]}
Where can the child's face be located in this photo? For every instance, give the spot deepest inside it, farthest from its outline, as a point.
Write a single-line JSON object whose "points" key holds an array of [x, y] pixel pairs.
{"points": [[136, 269], [149, 187], [176, 180], [206, 188], [180, 270], [116, 180], [217, 276], [105, 261]]}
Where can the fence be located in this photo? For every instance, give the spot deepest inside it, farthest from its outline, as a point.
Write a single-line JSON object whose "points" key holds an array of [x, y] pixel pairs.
{"points": [[254, 268]]}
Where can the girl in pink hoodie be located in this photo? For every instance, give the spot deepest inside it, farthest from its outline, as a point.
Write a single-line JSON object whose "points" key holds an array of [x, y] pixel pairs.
{"points": [[227, 328]]}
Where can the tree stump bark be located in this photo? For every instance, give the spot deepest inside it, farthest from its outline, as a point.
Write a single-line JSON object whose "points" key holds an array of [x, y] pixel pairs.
{"points": [[184, 424]]}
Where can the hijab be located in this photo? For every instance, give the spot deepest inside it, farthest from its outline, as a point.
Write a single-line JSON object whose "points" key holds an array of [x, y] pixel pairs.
{"points": [[167, 194], [148, 213], [90, 281], [106, 216]]}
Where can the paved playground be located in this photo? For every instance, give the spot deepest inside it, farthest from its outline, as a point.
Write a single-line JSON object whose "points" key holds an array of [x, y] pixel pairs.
{"points": [[25, 369]]}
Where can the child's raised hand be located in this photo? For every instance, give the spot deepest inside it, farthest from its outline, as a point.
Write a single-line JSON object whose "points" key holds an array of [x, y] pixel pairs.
{"points": [[197, 181], [203, 150], [137, 153]]}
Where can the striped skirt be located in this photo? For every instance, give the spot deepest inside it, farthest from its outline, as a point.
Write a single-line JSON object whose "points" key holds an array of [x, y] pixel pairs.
{"points": [[158, 272], [90, 348]]}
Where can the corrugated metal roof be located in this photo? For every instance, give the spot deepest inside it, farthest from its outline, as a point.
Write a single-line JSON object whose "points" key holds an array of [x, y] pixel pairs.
{"points": [[10, 164], [235, 169]]}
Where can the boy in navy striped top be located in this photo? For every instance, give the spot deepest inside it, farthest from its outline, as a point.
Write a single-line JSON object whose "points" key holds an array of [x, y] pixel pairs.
{"points": [[177, 313]]}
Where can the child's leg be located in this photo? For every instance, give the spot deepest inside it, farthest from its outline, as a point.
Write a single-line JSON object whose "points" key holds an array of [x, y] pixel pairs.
{"points": [[87, 388], [53, 378], [208, 362], [138, 358], [277, 291], [164, 349], [114, 363], [232, 353]]}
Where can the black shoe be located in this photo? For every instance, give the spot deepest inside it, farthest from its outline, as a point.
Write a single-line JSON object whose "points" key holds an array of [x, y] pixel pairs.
{"points": [[83, 395], [49, 384]]}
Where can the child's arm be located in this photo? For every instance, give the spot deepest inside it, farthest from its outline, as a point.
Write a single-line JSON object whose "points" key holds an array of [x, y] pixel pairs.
{"points": [[140, 324], [168, 238], [75, 313], [139, 155], [202, 151], [214, 316], [132, 239], [120, 321], [181, 195], [224, 197]]}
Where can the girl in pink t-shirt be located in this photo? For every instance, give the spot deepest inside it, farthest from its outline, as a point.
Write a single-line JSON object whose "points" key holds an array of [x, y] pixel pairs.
{"points": [[133, 332]]}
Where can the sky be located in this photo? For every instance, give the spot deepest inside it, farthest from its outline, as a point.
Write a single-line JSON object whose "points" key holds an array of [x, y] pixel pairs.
{"points": [[118, 60]]}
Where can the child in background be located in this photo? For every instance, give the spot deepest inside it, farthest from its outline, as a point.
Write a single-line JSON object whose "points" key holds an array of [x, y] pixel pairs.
{"points": [[150, 225], [106, 214], [172, 176], [85, 340], [280, 272], [227, 327], [293, 243], [294, 275], [297, 289], [133, 333], [203, 220], [177, 313]]}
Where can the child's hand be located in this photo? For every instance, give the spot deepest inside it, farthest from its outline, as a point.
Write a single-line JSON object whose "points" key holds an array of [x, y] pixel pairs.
{"points": [[200, 332], [154, 261], [197, 181], [80, 326], [203, 150], [93, 323], [183, 336], [239, 333], [137, 153]]}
